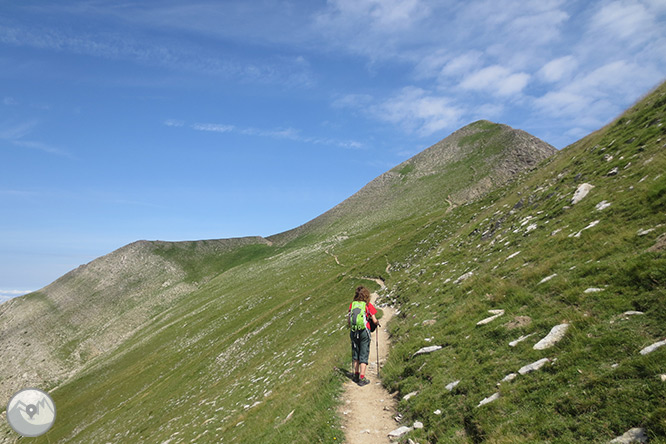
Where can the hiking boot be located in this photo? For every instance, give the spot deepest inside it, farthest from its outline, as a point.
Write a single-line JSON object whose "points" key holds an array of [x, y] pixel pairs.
{"points": [[355, 378], [363, 381]]}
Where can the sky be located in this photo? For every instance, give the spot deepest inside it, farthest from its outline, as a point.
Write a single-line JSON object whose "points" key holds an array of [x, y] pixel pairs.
{"points": [[184, 120]]}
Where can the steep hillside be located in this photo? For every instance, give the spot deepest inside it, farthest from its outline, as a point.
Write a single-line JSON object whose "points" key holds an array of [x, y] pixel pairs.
{"points": [[251, 352], [491, 282], [466, 164], [52, 333]]}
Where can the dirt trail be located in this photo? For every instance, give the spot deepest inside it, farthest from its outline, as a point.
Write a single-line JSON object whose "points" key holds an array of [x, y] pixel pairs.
{"points": [[368, 411]]}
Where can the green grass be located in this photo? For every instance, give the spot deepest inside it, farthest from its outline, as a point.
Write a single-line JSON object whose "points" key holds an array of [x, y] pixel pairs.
{"points": [[253, 353]]}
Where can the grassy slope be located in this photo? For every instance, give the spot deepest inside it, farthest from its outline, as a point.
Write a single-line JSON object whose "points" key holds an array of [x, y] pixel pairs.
{"points": [[270, 329], [599, 386]]}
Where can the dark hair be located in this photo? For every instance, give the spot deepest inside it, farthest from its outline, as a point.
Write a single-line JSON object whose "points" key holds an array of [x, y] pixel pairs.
{"points": [[362, 294]]}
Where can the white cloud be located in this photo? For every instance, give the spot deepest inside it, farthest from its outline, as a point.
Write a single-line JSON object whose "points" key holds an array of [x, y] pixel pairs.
{"points": [[418, 111], [6, 295], [281, 133], [496, 80], [463, 64], [626, 20], [213, 127], [174, 122], [558, 69]]}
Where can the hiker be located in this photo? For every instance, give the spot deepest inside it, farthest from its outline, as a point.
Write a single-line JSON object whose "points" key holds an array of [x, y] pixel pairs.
{"points": [[358, 316]]}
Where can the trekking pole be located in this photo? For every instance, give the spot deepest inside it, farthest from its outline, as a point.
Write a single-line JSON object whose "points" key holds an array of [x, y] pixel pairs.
{"points": [[378, 352]]}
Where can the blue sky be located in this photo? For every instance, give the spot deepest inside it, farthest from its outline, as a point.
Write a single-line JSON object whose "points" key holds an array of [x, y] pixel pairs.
{"points": [[180, 120]]}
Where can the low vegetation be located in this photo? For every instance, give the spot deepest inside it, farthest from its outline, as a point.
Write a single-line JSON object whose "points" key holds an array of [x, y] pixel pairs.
{"points": [[253, 351]]}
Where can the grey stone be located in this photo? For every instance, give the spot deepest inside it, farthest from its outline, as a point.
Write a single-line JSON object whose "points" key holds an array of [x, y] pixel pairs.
{"points": [[489, 399], [555, 335], [410, 395], [533, 366], [582, 191], [399, 432], [453, 385], [519, 340], [653, 347], [497, 314], [425, 350], [634, 435]]}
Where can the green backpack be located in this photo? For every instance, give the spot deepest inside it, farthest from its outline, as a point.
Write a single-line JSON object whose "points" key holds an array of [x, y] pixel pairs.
{"points": [[357, 316]]}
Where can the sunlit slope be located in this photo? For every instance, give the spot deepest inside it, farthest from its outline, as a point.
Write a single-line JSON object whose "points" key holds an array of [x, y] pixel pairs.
{"points": [[531, 255], [471, 161], [50, 334]]}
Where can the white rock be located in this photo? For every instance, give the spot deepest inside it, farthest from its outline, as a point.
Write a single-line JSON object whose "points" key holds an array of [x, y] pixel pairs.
{"points": [[591, 225], [602, 205], [410, 395], [418, 425], [593, 290], [513, 255], [555, 335], [464, 277], [634, 435], [519, 340], [366, 431], [652, 347], [399, 432], [613, 172], [510, 377], [581, 192], [644, 232], [485, 321], [632, 313], [489, 399], [452, 385], [663, 378], [546, 279], [533, 366], [439, 412], [425, 350], [531, 228]]}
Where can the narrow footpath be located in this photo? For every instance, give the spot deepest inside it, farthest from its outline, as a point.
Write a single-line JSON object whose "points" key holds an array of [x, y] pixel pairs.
{"points": [[368, 412]]}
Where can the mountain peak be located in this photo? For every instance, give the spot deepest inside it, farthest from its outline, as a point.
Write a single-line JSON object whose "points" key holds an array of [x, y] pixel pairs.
{"points": [[463, 166]]}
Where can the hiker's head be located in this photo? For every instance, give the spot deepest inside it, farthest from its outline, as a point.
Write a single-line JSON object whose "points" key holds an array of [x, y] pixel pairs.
{"points": [[362, 294]]}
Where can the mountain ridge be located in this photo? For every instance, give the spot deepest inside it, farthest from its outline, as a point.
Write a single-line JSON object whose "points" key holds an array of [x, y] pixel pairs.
{"points": [[256, 351]]}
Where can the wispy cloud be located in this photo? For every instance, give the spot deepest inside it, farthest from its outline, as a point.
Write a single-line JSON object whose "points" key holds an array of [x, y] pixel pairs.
{"points": [[147, 48], [414, 109], [496, 80], [6, 295], [279, 133], [16, 133]]}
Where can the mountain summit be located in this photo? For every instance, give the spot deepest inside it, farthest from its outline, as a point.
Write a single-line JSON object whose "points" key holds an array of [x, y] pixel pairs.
{"points": [[459, 168]]}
